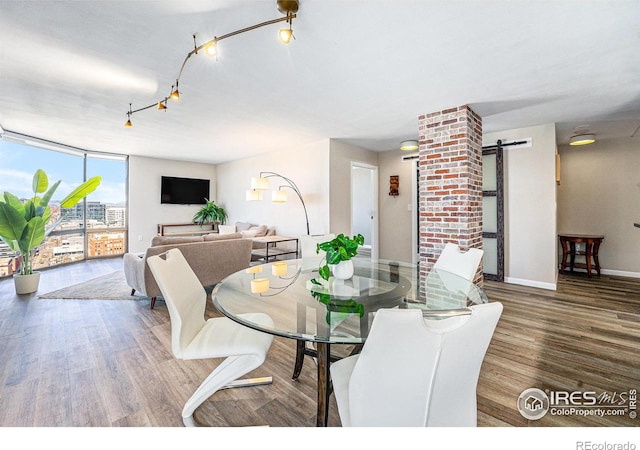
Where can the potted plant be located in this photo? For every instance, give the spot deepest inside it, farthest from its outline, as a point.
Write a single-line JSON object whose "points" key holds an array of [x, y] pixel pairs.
{"points": [[339, 252], [24, 226], [210, 213]]}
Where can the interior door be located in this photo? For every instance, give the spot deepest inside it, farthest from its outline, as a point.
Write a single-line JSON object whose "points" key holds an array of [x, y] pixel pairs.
{"points": [[364, 205]]}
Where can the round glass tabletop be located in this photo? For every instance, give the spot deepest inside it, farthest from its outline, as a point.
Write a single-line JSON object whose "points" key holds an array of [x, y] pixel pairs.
{"points": [[303, 306]]}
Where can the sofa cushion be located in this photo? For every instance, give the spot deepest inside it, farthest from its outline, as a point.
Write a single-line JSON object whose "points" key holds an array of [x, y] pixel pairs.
{"points": [[171, 240], [248, 233], [221, 237]]}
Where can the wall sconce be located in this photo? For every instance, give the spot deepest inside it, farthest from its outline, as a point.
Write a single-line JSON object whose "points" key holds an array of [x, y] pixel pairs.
{"points": [[261, 183]]}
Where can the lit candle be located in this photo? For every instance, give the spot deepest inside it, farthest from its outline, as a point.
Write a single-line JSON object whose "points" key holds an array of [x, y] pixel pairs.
{"points": [[279, 268], [259, 285]]}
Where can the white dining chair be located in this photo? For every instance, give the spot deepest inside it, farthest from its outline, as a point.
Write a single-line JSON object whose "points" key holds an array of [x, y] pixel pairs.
{"points": [[193, 337], [412, 372], [308, 246], [464, 264]]}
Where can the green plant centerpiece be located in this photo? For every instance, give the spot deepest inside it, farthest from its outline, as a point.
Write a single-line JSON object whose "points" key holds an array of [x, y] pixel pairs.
{"points": [[24, 226], [210, 213], [341, 248]]}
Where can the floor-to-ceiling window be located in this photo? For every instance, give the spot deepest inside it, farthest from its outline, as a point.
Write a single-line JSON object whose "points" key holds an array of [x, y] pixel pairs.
{"points": [[95, 227]]}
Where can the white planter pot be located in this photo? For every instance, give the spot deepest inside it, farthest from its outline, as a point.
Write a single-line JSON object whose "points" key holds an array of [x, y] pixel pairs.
{"points": [[343, 270], [26, 284]]}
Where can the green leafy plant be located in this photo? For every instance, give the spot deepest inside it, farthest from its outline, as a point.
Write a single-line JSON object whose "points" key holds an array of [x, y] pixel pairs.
{"points": [[340, 248], [210, 213], [24, 226]]}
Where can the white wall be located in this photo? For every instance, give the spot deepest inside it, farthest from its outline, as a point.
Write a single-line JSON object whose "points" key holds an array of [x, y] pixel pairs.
{"points": [[145, 209], [530, 206], [306, 166], [341, 157], [599, 193], [395, 215]]}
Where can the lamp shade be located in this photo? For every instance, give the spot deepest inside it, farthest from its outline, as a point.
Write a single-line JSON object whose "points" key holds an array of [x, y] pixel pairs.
{"points": [[260, 183], [254, 269], [259, 285], [582, 139], [253, 195], [279, 196], [409, 145], [279, 268]]}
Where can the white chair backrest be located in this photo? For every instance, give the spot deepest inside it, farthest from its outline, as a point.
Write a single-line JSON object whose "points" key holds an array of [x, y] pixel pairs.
{"points": [[414, 372], [464, 264], [308, 245], [184, 295]]}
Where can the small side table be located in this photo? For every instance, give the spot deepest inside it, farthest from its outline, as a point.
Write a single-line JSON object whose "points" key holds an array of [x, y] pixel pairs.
{"points": [[592, 245], [270, 249]]}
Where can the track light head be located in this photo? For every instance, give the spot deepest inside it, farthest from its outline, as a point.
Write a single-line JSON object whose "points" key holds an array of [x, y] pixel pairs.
{"points": [[285, 35], [211, 49], [162, 104]]}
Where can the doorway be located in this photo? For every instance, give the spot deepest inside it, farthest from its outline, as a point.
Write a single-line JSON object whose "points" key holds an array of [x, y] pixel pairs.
{"points": [[364, 205]]}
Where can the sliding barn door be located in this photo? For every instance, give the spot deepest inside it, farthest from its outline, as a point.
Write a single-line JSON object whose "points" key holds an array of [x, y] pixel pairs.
{"points": [[493, 212]]}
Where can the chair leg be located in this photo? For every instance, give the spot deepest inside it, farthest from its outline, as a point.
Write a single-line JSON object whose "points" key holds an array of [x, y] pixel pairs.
{"points": [[133, 291], [225, 376], [153, 302]]}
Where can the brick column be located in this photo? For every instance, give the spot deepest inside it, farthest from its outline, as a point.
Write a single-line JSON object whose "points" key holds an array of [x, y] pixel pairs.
{"points": [[450, 187]]}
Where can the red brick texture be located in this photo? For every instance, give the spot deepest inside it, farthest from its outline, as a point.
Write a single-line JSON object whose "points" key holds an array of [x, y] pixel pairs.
{"points": [[450, 188]]}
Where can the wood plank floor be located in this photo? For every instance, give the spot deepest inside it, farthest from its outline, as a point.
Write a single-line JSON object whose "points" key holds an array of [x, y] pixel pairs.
{"points": [[107, 363]]}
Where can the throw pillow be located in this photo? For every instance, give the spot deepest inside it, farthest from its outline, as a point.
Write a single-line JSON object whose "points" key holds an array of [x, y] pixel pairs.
{"points": [[226, 229], [243, 226], [260, 231]]}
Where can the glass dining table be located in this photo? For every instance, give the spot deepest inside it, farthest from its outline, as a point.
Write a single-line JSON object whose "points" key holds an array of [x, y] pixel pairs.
{"points": [[318, 314]]}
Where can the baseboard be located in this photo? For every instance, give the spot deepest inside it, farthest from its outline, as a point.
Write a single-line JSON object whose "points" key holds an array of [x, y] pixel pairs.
{"points": [[531, 283], [620, 273]]}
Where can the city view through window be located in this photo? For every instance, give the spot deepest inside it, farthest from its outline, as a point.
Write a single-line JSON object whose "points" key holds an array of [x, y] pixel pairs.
{"points": [[95, 227]]}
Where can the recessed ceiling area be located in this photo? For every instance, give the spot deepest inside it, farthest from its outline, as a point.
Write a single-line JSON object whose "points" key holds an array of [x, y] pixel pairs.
{"points": [[357, 71]]}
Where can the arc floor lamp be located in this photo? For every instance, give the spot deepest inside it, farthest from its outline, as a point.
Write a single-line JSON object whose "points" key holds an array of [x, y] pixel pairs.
{"points": [[261, 183]]}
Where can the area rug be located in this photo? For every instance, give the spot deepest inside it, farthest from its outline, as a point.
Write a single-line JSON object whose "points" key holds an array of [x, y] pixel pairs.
{"points": [[106, 287]]}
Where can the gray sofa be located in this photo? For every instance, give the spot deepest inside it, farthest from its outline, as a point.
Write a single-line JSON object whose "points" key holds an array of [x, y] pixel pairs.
{"points": [[212, 257]]}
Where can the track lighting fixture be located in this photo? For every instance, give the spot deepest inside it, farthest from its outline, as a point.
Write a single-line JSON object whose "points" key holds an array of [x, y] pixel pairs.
{"points": [[287, 7]]}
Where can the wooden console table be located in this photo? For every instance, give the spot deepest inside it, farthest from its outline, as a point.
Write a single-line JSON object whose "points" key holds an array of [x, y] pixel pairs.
{"points": [[592, 245]]}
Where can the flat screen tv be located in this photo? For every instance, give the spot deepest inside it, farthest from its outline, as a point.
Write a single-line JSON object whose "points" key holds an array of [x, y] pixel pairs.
{"points": [[184, 191]]}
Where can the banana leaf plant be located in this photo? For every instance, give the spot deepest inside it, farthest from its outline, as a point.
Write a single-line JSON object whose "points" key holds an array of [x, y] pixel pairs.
{"points": [[24, 226]]}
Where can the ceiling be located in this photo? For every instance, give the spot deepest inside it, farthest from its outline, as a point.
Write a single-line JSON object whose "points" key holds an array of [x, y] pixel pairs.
{"points": [[358, 71]]}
